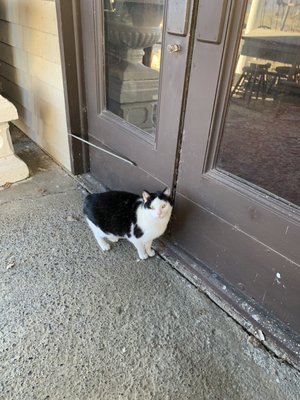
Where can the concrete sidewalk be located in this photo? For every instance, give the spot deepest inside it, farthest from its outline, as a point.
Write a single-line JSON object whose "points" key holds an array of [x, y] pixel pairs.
{"points": [[79, 324]]}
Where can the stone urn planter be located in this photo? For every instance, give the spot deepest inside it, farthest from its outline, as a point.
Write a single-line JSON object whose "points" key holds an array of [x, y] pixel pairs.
{"points": [[132, 87]]}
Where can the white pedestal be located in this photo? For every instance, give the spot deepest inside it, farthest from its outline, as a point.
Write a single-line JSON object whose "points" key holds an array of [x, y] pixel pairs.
{"points": [[12, 168]]}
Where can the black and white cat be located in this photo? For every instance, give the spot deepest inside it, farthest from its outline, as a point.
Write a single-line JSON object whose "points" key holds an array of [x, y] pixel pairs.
{"points": [[114, 215]]}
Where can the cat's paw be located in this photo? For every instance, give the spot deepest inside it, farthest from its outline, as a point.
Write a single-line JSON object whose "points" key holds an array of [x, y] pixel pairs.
{"points": [[151, 253], [104, 245], [113, 239], [143, 256]]}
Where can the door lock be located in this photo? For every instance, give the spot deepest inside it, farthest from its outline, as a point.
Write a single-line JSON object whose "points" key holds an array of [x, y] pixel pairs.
{"points": [[173, 48]]}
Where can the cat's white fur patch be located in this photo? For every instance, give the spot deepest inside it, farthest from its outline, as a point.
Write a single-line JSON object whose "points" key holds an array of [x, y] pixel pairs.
{"points": [[153, 222], [99, 235]]}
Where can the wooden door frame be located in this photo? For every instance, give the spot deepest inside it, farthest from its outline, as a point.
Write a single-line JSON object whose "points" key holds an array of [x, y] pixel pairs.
{"points": [[69, 32]]}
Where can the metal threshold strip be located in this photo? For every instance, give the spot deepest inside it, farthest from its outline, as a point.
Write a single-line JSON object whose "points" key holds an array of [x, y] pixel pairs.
{"points": [[110, 152]]}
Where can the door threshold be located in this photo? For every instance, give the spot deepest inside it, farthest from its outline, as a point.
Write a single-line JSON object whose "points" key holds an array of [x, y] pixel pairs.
{"points": [[90, 184], [263, 329]]}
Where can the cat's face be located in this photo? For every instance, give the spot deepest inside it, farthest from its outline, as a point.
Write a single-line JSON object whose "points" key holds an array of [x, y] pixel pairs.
{"points": [[158, 204]]}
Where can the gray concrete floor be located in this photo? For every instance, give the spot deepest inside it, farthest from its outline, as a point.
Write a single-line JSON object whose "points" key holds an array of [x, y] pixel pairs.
{"points": [[79, 324]]}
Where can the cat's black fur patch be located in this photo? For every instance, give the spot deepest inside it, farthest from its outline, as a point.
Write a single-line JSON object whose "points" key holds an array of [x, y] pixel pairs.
{"points": [[113, 212], [138, 231], [153, 196]]}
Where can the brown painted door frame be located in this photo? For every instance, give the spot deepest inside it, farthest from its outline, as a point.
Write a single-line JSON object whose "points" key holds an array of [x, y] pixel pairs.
{"points": [[71, 51]]}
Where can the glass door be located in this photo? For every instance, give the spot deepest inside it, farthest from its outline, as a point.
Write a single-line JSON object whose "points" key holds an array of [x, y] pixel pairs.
{"points": [[238, 192], [261, 136], [135, 56]]}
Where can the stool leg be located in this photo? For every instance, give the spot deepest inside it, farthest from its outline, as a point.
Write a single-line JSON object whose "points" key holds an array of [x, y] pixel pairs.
{"points": [[242, 77]]}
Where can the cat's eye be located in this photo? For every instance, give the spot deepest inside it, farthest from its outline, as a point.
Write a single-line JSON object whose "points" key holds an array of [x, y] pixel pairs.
{"points": [[163, 206]]}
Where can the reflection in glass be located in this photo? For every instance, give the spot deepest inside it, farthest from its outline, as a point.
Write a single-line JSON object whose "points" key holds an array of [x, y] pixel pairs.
{"points": [[261, 137], [133, 34]]}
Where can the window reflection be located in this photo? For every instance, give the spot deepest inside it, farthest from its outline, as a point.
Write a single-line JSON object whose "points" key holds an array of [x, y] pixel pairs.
{"points": [[261, 137], [133, 31]]}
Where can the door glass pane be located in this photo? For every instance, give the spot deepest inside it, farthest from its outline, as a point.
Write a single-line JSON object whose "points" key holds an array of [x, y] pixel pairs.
{"points": [[261, 137], [133, 37]]}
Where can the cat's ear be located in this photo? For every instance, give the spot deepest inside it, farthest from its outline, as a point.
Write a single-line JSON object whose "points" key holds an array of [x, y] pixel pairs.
{"points": [[167, 192], [146, 196]]}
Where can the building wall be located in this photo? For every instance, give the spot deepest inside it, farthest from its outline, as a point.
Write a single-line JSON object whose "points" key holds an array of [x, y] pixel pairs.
{"points": [[31, 75]]}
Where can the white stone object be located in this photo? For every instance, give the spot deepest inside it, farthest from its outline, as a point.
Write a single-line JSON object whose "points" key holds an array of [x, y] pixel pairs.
{"points": [[12, 168]]}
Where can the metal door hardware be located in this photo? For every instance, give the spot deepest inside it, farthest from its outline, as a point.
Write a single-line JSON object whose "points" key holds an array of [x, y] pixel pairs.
{"points": [[173, 48], [178, 17], [212, 10]]}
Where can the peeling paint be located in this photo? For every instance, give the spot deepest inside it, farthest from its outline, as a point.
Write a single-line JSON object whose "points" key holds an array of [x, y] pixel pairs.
{"points": [[278, 278], [260, 335]]}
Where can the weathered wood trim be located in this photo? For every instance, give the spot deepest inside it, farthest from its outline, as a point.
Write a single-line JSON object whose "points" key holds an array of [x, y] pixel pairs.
{"points": [[69, 29]]}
